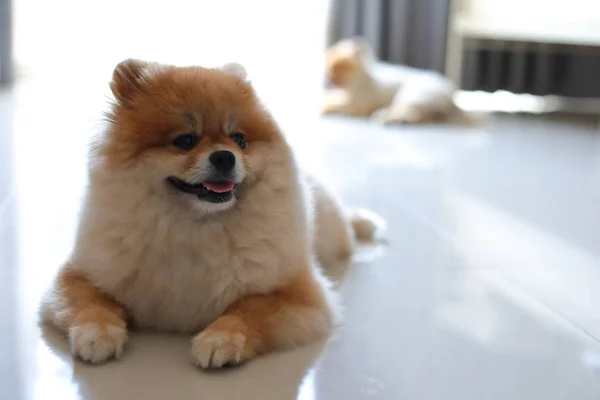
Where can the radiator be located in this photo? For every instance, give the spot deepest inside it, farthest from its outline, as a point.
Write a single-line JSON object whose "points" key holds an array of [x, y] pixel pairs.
{"points": [[533, 68]]}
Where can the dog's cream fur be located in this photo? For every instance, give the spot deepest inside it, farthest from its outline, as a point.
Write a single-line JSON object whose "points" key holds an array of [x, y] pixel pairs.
{"points": [[365, 87], [244, 273]]}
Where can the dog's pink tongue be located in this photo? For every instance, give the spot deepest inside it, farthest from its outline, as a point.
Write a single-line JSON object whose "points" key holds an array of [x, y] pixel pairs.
{"points": [[219, 187]]}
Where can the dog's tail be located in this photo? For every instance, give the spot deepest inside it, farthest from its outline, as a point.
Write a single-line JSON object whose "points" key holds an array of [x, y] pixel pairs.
{"points": [[366, 224]]}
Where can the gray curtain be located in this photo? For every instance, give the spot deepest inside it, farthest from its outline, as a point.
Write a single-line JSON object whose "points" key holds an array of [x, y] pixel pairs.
{"points": [[409, 32], [6, 50]]}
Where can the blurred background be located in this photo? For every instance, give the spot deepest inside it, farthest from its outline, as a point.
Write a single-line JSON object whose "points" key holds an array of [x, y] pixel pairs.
{"points": [[525, 47], [75, 45], [531, 47], [488, 287]]}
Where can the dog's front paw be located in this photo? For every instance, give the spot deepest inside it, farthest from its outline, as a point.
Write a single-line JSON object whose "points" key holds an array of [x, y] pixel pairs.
{"points": [[214, 348], [329, 108], [96, 342]]}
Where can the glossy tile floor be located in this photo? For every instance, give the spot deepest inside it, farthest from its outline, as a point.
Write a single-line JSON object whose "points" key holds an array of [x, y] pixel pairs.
{"points": [[485, 290]]}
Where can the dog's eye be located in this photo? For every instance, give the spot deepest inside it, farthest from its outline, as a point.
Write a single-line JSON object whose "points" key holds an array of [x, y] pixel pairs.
{"points": [[187, 141], [239, 139]]}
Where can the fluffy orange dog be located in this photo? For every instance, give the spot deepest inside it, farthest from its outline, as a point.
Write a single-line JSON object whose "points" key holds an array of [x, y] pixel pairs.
{"points": [[197, 220]]}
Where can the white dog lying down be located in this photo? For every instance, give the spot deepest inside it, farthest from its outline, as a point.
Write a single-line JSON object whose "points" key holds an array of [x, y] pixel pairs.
{"points": [[364, 87]]}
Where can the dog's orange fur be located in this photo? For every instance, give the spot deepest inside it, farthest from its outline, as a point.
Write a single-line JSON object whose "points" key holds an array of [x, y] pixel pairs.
{"points": [[268, 320], [340, 68], [153, 117], [242, 276], [83, 302]]}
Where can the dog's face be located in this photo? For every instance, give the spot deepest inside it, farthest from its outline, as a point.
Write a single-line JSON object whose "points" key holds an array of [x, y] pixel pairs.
{"points": [[345, 62], [192, 133]]}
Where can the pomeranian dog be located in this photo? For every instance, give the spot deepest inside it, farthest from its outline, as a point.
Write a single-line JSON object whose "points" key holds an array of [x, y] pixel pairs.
{"points": [[361, 86], [197, 220]]}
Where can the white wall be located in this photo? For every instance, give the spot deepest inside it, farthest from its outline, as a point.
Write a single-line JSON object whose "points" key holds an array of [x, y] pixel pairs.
{"points": [[77, 42]]}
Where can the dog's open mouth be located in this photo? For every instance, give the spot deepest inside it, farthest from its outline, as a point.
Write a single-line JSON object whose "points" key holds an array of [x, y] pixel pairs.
{"points": [[218, 191]]}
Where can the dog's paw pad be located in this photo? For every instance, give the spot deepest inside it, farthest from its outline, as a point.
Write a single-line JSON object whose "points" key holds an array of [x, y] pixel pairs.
{"points": [[217, 348], [96, 343]]}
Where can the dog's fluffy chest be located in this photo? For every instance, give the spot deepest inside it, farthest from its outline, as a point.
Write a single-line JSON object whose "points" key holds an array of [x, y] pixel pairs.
{"points": [[183, 292], [178, 275]]}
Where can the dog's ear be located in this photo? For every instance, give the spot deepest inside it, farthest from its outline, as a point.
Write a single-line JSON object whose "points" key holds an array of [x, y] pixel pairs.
{"points": [[128, 79], [235, 69]]}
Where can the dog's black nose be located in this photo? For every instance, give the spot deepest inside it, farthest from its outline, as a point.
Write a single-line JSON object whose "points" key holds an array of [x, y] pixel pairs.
{"points": [[222, 160]]}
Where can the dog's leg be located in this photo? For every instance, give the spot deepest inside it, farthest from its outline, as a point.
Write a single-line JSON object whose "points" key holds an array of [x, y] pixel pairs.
{"points": [[419, 103], [334, 107], [381, 115], [340, 102], [94, 322], [409, 114], [295, 314]]}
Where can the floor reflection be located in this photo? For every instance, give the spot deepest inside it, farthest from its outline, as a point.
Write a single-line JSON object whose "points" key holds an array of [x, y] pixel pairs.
{"points": [[156, 366], [11, 362]]}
